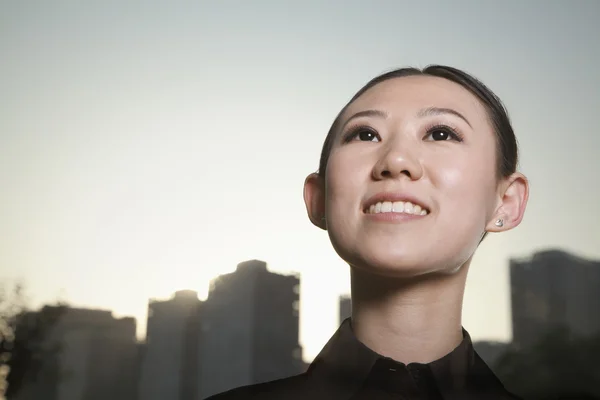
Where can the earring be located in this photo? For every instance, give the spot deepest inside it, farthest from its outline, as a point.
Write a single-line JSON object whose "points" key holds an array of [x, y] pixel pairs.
{"points": [[499, 223]]}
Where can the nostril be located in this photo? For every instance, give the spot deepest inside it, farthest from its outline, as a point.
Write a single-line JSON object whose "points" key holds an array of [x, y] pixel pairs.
{"points": [[388, 174]]}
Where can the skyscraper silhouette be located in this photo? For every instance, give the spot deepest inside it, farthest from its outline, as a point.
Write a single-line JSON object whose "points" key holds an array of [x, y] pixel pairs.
{"points": [[169, 367], [96, 358], [554, 288], [250, 326]]}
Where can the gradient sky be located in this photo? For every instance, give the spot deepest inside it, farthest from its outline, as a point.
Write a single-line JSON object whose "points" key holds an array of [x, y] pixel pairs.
{"points": [[147, 147]]}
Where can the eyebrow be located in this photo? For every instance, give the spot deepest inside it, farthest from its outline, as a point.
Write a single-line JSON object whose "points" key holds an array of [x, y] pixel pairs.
{"points": [[365, 113], [438, 111], [426, 112]]}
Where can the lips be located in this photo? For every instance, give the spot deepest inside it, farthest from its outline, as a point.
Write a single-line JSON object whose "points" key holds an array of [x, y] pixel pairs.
{"points": [[404, 207], [398, 203]]}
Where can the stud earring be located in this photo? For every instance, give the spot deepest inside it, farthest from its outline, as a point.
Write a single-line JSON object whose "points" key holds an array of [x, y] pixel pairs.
{"points": [[499, 223]]}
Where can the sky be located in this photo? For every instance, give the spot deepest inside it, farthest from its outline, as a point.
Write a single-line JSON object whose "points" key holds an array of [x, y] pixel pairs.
{"points": [[147, 147]]}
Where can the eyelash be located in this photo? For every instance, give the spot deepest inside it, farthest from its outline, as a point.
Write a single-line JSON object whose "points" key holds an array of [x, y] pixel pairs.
{"points": [[453, 132], [354, 131]]}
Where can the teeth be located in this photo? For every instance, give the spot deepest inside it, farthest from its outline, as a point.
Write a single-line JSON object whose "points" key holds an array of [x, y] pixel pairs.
{"points": [[386, 206], [398, 206], [405, 207]]}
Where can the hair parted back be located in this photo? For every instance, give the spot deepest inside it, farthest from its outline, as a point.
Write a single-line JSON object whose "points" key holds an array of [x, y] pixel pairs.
{"points": [[507, 149]]}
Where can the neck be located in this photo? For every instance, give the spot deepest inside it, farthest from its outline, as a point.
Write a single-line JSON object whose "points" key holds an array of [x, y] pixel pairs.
{"points": [[416, 320]]}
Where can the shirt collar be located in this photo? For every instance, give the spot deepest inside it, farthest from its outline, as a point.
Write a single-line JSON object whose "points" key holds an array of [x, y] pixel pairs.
{"points": [[344, 364]]}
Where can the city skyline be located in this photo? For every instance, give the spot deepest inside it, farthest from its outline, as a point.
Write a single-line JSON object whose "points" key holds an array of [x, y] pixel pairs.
{"points": [[144, 150], [344, 304], [246, 332]]}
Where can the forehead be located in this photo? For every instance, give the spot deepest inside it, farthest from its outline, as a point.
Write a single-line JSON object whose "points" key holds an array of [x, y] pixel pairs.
{"points": [[412, 93]]}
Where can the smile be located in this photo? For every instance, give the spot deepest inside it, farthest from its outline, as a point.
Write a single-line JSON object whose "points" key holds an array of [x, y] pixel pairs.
{"points": [[403, 207]]}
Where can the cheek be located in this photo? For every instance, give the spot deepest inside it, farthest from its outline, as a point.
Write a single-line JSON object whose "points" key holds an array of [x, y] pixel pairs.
{"points": [[344, 179], [344, 185], [467, 189]]}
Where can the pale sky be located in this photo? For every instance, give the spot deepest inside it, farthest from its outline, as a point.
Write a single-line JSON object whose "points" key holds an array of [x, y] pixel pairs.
{"points": [[147, 147]]}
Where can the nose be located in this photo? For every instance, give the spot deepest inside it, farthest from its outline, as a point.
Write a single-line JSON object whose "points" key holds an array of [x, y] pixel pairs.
{"points": [[398, 161]]}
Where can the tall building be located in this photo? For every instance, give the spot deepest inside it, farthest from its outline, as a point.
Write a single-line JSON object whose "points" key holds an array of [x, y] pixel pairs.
{"points": [[250, 328], [94, 357], [554, 288], [169, 366], [345, 308]]}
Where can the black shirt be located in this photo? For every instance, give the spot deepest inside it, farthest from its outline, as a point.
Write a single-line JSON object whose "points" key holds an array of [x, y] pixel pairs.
{"points": [[347, 370]]}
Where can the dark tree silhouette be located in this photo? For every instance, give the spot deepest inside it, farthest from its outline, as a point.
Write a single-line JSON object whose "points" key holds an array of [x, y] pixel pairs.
{"points": [[24, 347], [559, 366]]}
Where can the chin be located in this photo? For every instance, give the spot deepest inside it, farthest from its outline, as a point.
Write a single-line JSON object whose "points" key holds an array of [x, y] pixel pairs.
{"points": [[394, 268], [408, 261]]}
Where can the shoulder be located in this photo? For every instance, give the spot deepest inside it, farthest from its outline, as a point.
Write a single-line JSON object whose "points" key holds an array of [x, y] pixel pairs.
{"points": [[486, 384], [288, 388]]}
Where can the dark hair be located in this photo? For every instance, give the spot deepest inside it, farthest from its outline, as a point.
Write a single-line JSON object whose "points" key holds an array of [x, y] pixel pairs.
{"points": [[507, 151]]}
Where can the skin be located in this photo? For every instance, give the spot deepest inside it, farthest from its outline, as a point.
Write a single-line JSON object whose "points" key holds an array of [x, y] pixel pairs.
{"points": [[408, 275]]}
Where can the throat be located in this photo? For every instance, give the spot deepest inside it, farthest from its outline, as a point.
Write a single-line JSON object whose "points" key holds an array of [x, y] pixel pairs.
{"points": [[418, 322]]}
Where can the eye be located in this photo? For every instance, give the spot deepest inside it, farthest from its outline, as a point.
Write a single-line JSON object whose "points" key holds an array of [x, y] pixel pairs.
{"points": [[363, 134], [442, 133]]}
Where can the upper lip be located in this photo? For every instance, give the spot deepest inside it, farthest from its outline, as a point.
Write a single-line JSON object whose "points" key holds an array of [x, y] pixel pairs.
{"points": [[392, 197]]}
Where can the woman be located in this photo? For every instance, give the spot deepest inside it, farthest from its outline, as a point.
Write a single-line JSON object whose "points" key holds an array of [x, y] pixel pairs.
{"points": [[416, 169]]}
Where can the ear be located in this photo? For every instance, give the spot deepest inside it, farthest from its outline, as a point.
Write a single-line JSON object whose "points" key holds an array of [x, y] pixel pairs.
{"points": [[314, 199], [514, 193]]}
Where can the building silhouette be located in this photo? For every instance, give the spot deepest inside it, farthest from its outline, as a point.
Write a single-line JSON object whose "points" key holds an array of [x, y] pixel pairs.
{"points": [[246, 332], [96, 358], [345, 308], [250, 329], [170, 362], [554, 288]]}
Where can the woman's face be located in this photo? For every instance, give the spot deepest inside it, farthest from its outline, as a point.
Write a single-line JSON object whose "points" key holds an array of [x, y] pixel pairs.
{"points": [[410, 185]]}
